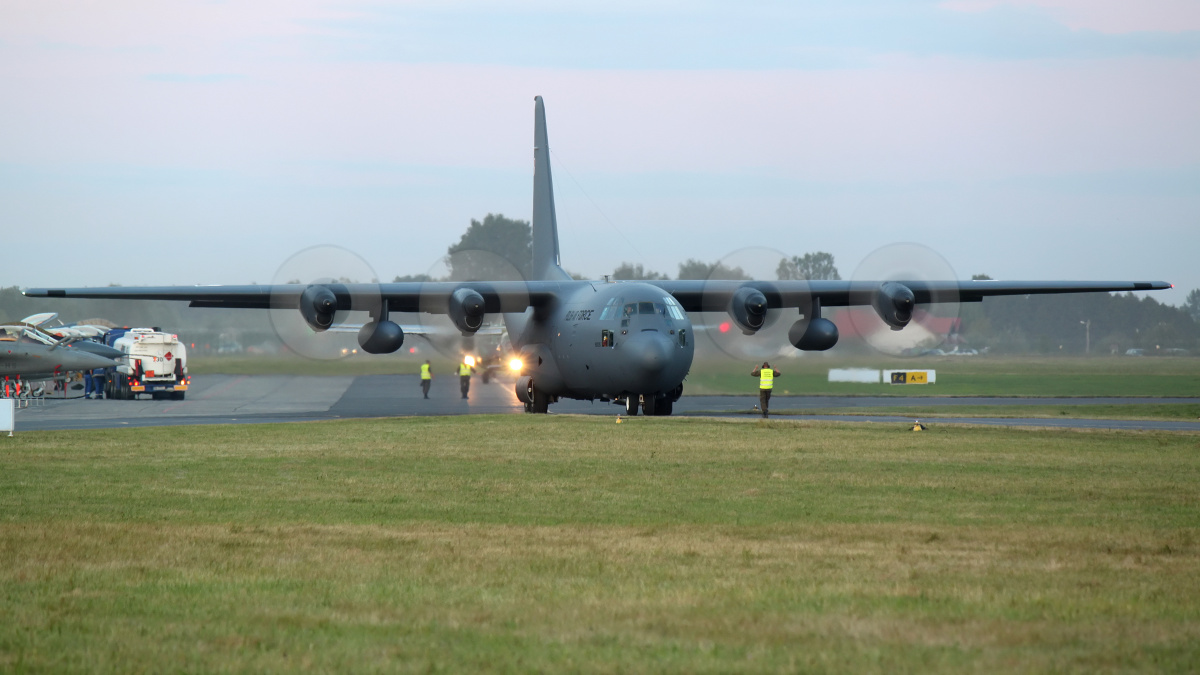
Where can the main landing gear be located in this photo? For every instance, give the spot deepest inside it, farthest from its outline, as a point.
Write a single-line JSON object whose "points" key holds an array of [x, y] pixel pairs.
{"points": [[535, 400]]}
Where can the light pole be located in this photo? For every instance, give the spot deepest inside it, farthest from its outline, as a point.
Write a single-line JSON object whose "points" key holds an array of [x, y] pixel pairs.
{"points": [[1087, 336]]}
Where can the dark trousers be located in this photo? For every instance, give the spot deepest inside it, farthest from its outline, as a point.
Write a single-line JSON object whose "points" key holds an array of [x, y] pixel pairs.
{"points": [[425, 387], [764, 397], [464, 383]]}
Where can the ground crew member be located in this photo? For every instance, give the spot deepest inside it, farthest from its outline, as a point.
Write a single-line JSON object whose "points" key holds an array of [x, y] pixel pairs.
{"points": [[426, 378], [766, 381], [89, 384], [99, 378], [464, 377]]}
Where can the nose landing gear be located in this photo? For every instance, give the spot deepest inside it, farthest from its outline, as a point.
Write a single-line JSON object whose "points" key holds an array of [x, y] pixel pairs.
{"points": [[654, 405]]}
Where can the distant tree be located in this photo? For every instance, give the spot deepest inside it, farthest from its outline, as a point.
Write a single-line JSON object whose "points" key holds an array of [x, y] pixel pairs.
{"points": [[980, 277], [412, 277], [810, 266], [635, 272], [1192, 304], [497, 248], [695, 269], [1044, 322]]}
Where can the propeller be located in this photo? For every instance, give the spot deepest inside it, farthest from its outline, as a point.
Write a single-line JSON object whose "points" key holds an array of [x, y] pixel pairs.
{"points": [[308, 325], [460, 322], [742, 327], [890, 319]]}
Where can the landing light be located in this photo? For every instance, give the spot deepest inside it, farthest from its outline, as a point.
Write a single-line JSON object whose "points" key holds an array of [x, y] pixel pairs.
{"points": [[515, 365], [469, 360]]}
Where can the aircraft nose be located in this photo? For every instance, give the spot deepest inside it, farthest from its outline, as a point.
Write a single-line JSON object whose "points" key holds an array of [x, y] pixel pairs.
{"points": [[98, 349], [649, 352], [87, 361]]}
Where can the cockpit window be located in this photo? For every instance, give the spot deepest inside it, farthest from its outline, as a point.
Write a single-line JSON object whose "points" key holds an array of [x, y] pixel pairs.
{"points": [[25, 334], [674, 310], [648, 308], [610, 309]]}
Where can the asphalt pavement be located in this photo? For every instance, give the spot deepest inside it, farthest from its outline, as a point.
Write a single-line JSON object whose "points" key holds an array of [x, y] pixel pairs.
{"points": [[244, 399]]}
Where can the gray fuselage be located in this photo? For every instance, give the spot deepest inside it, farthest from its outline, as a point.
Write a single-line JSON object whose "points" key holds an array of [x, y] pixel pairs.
{"points": [[606, 340]]}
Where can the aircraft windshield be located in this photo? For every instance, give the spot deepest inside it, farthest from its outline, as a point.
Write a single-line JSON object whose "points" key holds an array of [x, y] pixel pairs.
{"points": [[674, 309], [25, 334], [640, 309], [611, 309]]}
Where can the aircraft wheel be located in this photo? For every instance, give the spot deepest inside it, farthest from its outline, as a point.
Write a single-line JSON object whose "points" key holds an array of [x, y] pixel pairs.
{"points": [[541, 402], [631, 405], [485, 377], [650, 406], [664, 407]]}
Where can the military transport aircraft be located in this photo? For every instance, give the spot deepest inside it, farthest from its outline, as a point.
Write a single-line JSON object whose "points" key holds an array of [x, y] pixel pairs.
{"points": [[627, 342]]}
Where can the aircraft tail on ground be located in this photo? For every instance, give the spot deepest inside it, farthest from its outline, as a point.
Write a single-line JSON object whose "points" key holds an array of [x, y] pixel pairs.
{"points": [[545, 226]]}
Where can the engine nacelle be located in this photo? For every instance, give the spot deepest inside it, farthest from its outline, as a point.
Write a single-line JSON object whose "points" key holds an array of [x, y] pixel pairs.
{"points": [[816, 335], [748, 309], [894, 303], [381, 337], [318, 305], [466, 310]]}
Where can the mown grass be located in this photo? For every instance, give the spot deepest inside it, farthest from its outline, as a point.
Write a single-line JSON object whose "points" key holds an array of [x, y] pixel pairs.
{"points": [[573, 543], [1138, 411]]}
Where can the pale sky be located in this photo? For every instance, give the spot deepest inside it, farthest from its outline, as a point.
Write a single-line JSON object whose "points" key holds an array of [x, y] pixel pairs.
{"points": [[158, 142]]}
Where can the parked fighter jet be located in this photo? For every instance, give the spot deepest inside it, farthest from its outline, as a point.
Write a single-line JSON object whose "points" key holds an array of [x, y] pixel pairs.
{"points": [[33, 355], [83, 336], [629, 342]]}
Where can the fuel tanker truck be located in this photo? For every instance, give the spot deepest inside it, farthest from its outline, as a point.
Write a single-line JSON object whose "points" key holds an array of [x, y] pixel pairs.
{"points": [[154, 363]]}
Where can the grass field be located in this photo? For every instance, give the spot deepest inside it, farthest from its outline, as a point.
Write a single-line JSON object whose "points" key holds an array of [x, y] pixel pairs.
{"points": [[517, 543], [956, 376], [1138, 411]]}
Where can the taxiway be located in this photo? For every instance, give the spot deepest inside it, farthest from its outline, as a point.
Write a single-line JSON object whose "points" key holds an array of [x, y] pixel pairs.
{"points": [[245, 399]]}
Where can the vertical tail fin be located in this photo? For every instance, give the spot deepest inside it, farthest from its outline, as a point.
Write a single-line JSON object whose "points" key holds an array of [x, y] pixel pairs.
{"points": [[545, 226]]}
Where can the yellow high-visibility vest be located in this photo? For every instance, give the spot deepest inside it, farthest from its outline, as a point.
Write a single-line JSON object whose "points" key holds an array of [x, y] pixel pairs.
{"points": [[766, 378], [464, 369], [425, 375]]}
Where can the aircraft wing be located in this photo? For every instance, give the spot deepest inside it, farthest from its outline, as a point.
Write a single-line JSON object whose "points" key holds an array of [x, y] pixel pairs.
{"points": [[715, 295], [516, 296], [432, 297]]}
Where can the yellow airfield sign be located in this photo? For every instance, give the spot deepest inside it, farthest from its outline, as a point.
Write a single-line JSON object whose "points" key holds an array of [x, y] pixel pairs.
{"points": [[910, 376]]}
